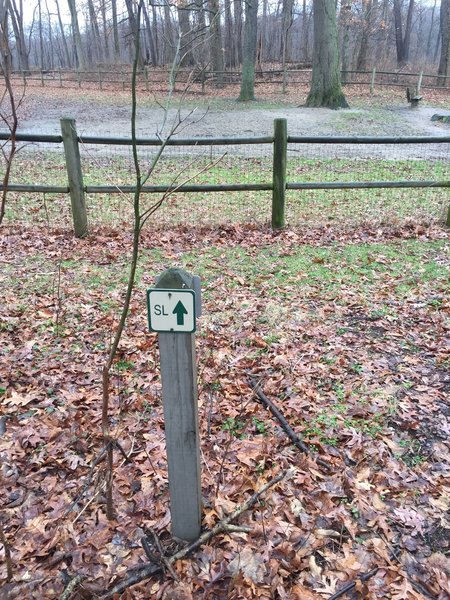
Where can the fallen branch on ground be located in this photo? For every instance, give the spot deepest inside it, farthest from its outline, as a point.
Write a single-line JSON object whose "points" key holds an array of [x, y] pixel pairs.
{"points": [[295, 439], [352, 584], [151, 569]]}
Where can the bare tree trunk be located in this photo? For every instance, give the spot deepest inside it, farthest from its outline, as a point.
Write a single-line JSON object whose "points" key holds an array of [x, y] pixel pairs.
{"points": [[107, 53], [134, 30], [402, 40], [95, 32], [444, 62], [155, 35], [151, 42], [81, 60], [115, 31], [238, 31], [286, 38], [63, 38], [216, 41], [169, 35], [428, 48], [326, 77], [250, 37], [305, 33], [10, 120], [361, 61], [41, 36], [51, 60], [346, 26], [183, 11], [16, 15]]}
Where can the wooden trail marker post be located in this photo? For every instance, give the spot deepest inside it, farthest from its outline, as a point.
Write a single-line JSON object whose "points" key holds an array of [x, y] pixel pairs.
{"points": [[173, 306]]}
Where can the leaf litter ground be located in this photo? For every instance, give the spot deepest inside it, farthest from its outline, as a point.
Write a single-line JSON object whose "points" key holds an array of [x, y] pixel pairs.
{"points": [[344, 331]]}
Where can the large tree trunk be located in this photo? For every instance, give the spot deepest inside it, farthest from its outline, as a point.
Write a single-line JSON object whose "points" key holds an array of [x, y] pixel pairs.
{"points": [[134, 25], [286, 37], [81, 60], [346, 26], [95, 32], [68, 62], [229, 54], [185, 32], [169, 36], [366, 27], [326, 77], [402, 40], [5, 52], [237, 7], [16, 15], [444, 62], [216, 41], [305, 33], [115, 31], [250, 38], [151, 42]]}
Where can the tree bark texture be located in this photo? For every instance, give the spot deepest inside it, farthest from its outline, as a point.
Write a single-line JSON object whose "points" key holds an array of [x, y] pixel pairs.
{"points": [[216, 41], [444, 62], [326, 78], [76, 34], [248, 63], [402, 40]]}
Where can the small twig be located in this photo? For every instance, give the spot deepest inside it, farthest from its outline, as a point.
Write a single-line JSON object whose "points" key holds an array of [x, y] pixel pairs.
{"points": [[352, 584], [70, 588], [151, 569], [165, 562], [8, 559], [86, 505], [422, 589], [237, 529], [295, 439], [122, 451], [95, 462], [152, 557]]}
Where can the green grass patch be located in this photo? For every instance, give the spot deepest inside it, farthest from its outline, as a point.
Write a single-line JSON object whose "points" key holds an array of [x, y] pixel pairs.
{"points": [[328, 270], [175, 168]]}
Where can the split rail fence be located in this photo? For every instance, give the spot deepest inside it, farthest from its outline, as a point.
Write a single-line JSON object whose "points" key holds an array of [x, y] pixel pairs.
{"points": [[280, 150], [155, 79]]}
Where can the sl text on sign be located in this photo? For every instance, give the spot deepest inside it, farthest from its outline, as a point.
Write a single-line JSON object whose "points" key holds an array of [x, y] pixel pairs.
{"points": [[171, 311]]}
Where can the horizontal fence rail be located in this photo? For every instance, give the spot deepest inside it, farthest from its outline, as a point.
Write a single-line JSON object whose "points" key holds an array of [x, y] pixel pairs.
{"points": [[150, 78], [282, 148]]}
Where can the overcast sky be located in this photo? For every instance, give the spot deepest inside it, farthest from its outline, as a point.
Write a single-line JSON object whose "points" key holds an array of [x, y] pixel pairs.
{"points": [[29, 5]]}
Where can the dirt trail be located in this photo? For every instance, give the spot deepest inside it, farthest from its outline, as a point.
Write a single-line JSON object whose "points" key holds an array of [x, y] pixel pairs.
{"points": [[97, 117], [41, 113]]}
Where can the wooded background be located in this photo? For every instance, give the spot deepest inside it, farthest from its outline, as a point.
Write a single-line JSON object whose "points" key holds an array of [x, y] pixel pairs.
{"points": [[78, 34]]}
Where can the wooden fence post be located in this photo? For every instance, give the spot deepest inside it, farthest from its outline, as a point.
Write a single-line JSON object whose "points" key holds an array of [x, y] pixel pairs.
{"points": [[180, 397], [372, 82], [279, 173], [75, 176], [419, 83]]}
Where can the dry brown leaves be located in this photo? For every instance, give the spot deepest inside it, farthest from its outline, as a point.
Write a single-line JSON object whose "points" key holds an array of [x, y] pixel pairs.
{"points": [[379, 508]]}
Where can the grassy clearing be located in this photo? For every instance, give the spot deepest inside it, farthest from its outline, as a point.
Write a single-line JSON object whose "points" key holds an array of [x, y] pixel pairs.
{"points": [[305, 207]]}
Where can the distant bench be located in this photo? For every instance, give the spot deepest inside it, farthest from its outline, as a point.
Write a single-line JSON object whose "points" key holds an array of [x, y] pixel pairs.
{"points": [[413, 99]]}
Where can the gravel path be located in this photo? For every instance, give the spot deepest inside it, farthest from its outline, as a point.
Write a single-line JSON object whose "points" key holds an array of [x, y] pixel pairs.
{"points": [[42, 114]]}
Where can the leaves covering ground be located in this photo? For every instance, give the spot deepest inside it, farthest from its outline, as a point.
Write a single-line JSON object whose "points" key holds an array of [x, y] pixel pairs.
{"points": [[344, 330]]}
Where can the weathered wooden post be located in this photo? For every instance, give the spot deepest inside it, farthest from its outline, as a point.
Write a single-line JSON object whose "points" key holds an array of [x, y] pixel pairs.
{"points": [[279, 173], [372, 82], [419, 83], [75, 177], [173, 306]]}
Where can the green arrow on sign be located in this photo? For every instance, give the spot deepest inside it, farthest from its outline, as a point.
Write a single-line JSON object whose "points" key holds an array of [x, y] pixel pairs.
{"points": [[180, 311]]}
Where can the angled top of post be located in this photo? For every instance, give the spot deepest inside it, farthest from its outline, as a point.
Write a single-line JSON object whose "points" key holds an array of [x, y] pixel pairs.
{"points": [[176, 279]]}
